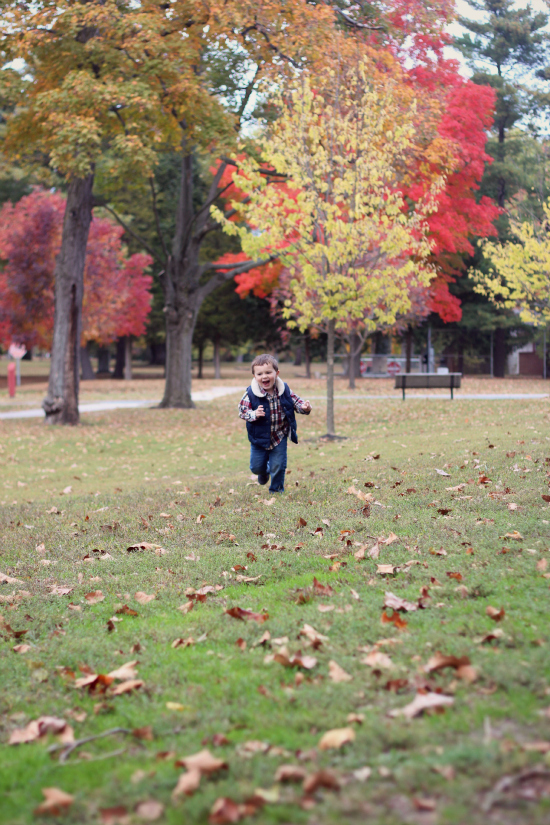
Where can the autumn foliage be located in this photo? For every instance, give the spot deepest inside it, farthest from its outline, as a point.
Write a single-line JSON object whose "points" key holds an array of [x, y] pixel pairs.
{"points": [[116, 288]]}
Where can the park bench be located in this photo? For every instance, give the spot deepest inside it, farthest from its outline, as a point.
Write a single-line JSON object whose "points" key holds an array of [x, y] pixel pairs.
{"points": [[428, 381]]}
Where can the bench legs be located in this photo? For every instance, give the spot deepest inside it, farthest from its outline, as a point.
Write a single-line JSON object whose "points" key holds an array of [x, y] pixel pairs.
{"points": [[403, 388]]}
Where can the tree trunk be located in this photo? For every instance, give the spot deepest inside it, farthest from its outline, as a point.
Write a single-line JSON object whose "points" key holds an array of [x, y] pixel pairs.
{"points": [[217, 366], [307, 355], [298, 357], [61, 402], [330, 378], [201, 356], [408, 348], [87, 370], [127, 357], [499, 353], [119, 363], [103, 358], [179, 343]]}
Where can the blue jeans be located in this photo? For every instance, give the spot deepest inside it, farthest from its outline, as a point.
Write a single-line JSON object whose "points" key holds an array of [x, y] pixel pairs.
{"points": [[270, 462]]}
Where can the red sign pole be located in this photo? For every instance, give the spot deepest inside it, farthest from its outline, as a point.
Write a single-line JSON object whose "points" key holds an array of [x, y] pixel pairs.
{"points": [[11, 379]]}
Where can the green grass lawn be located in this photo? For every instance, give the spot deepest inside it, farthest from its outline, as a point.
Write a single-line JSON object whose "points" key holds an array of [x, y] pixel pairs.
{"points": [[74, 500]]}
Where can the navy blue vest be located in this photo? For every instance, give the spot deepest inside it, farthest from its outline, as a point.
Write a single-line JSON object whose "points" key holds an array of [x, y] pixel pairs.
{"points": [[259, 431]]}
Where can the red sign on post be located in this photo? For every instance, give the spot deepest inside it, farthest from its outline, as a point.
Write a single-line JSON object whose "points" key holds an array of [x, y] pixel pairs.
{"points": [[11, 379], [393, 368]]}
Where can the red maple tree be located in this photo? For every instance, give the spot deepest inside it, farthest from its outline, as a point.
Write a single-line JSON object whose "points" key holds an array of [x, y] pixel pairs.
{"points": [[116, 288]]}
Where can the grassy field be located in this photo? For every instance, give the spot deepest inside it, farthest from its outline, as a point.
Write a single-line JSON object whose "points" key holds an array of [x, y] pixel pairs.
{"points": [[458, 485]]}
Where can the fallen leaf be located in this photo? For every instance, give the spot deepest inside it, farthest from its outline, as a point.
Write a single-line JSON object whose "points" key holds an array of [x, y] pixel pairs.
{"points": [[385, 569], [457, 576], [378, 659], [247, 615], [358, 718], [38, 728], [290, 773], [21, 648], [362, 774], [446, 771], [127, 611], [55, 802], [337, 673], [422, 702], [187, 783], [490, 637], [296, 660], [203, 762], [439, 661], [325, 608], [57, 590], [443, 473], [127, 687], [94, 597], [185, 608], [124, 672], [225, 811], [268, 501], [494, 614], [200, 518], [117, 815], [313, 635], [324, 778], [146, 732], [150, 810], [394, 619], [397, 603], [424, 803], [336, 738], [514, 536], [5, 579], [144, 598], [390, 540]]}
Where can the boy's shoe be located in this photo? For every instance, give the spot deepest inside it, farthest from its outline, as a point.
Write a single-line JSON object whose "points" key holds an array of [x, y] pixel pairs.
{"points": [[263, 479]]}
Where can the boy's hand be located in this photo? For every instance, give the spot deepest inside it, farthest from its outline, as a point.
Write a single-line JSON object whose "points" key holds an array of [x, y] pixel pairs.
{"points": [[260, 412], [306, 407]]}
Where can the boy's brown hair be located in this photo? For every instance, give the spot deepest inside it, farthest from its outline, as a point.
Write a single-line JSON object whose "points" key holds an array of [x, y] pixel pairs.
{"points": [[263, 359]]}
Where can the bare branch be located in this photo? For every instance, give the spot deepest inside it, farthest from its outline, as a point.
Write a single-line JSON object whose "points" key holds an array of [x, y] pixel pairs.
{"points": [[131, 232], [224, 273], [356, 25]]}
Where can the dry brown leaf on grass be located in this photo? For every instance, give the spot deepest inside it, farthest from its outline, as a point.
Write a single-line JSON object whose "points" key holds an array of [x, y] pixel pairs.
{"points": [[353, 491], [313, 635], [377, 659], [127, 687], [58, 590], [187, 784], [117, 815], [226, 811], [324, 778], [55, 802], [290, 773], [185, 608], [204, 762], [21, 648], [514, 536], [461, 664], [494, 614], [247, 615], [125, 671], [189, 642], [296, 660], [336, 738], [385, 569], [422, 702], [94, 597], [397, 603], [337, 673], [268, 501], [144, 598], [5, 579], [150, 810], [395, 619], [390, 540], [41, 727]]}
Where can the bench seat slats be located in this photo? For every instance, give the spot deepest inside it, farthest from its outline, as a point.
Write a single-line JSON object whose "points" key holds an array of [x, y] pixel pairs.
{"points": [[428, 380]]}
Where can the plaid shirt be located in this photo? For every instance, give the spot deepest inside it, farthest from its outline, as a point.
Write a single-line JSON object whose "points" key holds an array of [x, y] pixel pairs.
{"points": [[279, 423]]}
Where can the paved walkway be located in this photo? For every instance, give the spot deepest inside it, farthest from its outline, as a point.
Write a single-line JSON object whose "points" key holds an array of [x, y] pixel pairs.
{"points": [[218, 392], [102, 406]]}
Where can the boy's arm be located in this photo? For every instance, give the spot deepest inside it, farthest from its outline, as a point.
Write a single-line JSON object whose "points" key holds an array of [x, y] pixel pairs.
{"points": [[245, 410], [301, 406]]}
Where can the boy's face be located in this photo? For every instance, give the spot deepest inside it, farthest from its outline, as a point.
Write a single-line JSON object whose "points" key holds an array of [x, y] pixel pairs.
{"points": [[266, 376]]}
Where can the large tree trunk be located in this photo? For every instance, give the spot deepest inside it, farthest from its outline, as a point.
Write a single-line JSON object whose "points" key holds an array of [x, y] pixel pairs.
{"points": [[331, 431], [88, 373], [61, 401], [103, 360], [119, 362], [179, 343], [217, 365]]}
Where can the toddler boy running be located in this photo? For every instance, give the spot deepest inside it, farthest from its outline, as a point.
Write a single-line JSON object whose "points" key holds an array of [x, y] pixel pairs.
{"points": [[268, 407]]}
